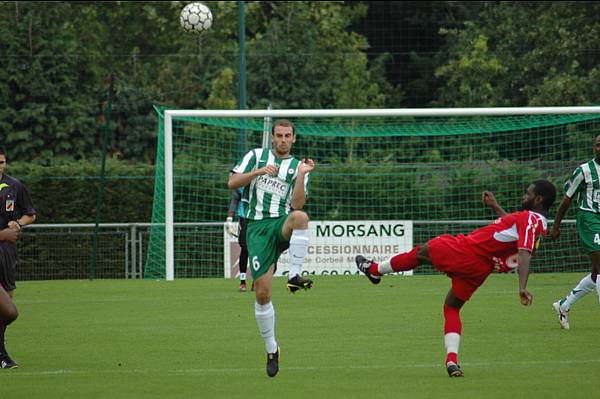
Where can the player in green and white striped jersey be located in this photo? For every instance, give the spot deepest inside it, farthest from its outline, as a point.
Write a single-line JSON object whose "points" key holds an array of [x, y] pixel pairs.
{"points": [[277, 191], [584, 187]]}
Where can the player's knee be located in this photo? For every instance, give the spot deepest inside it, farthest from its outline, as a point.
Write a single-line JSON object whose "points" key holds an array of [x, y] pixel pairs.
{"points": [[263, 294], [14, 315], [11, 314], [299, 219], [262, 297]]}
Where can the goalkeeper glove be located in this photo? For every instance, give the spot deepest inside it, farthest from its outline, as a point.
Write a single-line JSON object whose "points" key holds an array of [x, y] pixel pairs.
{"points": [[231, 227]]}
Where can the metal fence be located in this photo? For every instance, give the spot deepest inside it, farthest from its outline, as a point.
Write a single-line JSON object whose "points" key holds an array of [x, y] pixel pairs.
{"points": [[64, 251]]}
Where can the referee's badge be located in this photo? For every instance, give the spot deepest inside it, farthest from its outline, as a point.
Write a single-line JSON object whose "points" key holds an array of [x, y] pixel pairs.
{"points": [[10, 205]]}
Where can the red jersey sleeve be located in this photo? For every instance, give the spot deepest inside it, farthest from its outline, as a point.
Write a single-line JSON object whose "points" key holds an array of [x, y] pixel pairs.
{"points": [[530, 227]]}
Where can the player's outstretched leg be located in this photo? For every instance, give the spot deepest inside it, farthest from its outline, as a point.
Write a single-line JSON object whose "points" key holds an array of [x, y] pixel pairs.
{"points": [[299, 283], [563, 315], [364, 265], [273, 363]]}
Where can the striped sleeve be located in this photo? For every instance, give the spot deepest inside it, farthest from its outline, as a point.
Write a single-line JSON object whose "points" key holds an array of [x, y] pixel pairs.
{"points": [[296, 164], [247, 163], [306, 179], [575, 183], [530, 228]]}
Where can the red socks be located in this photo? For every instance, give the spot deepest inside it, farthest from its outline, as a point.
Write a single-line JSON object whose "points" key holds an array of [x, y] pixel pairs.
{"points": [[452, 326], [452, 323], [452, 357], [399, 263], [374, 270]]}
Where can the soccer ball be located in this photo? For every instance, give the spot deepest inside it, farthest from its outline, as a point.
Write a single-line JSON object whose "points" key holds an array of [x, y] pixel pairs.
{"points": [[195, 18]]}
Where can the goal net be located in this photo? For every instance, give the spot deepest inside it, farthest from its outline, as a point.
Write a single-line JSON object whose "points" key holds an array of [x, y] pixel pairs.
{"points": [[384, 180]]}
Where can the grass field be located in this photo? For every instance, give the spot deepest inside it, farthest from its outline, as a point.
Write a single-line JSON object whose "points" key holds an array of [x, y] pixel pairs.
{"points": [[343, 339]]}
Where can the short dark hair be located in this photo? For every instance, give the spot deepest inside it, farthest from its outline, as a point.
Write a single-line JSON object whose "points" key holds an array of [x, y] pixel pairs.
{"points": [[2, 151], [283, 122], [546, 190]]}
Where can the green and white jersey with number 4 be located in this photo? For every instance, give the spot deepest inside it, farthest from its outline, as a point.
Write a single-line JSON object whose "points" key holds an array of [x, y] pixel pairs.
{"points": [[584, 187], [270, 196]]}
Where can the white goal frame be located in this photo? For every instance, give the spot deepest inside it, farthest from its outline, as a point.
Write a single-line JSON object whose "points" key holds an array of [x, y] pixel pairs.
{"points": [[300, 113]]}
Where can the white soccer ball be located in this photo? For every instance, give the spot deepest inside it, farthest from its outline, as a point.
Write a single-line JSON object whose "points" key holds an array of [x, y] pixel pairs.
{"points": [[195, 18]]}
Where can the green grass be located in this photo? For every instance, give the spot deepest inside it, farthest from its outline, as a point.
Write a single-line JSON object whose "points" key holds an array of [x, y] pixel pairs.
{"points": [[343, 339]]}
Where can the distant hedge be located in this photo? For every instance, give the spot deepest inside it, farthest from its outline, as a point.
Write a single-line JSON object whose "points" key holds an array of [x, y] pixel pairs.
{"points": [[68, 193]]}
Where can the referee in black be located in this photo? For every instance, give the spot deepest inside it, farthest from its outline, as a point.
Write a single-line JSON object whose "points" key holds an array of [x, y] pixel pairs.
{"points": [[16, 211]]}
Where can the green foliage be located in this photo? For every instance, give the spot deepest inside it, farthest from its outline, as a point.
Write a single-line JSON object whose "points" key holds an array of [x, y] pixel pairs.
{"points": [[60, 56], [518, 54], [472, 76], [436, 191], [222, 95], [45, 96], [67, 192], [306, 57]]}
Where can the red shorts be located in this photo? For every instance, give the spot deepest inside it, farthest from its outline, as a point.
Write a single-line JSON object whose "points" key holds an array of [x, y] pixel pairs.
{"points": [[453, 256]]}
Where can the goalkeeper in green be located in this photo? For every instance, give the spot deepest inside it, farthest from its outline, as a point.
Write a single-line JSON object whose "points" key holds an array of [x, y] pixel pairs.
{"points": [[277, 191]]}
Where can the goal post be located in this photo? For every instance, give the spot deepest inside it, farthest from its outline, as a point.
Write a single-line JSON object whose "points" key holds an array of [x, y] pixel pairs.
{"points": [[418, 165]]}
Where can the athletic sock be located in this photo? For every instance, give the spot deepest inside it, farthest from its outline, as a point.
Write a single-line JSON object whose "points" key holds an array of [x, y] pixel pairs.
{"points": [[265, 318], [452, 356], [374, 268], [585, 286], [398, 263], [298, 250], [243, 261], [242, 278], [452, 333]]}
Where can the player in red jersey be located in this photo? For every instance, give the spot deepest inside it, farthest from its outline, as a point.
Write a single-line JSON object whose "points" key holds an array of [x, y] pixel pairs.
{"points": [[503, 245]]}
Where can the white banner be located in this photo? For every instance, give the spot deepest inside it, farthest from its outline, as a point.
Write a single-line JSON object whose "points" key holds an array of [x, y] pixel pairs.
{"points": [[333, 246]]}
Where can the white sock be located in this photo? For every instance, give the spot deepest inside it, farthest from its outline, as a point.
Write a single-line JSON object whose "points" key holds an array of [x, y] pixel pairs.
{"points": [[265, 318], [298, 250], [452, 342], [242, 276], [385, 267], [585, 286]]}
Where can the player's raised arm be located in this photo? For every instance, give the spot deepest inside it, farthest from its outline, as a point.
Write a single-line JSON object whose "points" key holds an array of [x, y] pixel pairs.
{"points": [[564, 206], [489, 200], [299, 195]]}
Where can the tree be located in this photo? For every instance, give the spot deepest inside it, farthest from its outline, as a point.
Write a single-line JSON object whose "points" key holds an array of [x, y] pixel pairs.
{"points": [[46, 111], [536, 53], [60, 55], [472, 75], [299, 58]]}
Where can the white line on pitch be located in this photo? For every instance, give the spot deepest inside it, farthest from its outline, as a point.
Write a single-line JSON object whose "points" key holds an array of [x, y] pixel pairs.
{"points": [[301, 368]]}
